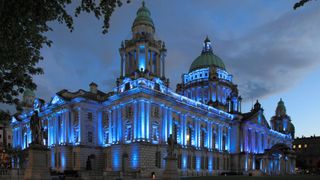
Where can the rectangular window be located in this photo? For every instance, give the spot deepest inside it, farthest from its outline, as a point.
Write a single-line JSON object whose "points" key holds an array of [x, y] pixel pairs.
{"points": [[158, 159], [90, 137], [90, 116], [189, 162], [74, 159], [179, 161], [194, 161]]}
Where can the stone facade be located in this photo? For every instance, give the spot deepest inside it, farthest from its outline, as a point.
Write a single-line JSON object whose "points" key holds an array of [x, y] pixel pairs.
{"points": [[125, 132]]}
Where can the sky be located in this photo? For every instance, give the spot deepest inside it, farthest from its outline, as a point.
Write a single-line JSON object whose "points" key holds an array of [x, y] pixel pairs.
{"points": [[271, 50]]}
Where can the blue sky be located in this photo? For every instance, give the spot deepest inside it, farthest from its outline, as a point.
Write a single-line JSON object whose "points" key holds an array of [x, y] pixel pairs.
{"points": [[272, 50]]}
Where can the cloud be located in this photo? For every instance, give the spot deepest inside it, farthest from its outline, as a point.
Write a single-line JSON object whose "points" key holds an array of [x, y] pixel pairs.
{"points": [[275, 56]]}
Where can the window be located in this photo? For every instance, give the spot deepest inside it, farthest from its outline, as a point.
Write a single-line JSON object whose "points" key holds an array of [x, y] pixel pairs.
{"points": [[299, 146], [90, 116], [158, 159], [75, 118], [155, 132], [189, 162], [90, 137], [74, 159], [179, 161], [294, 146], [305, 146], [202, 162], [175, 132], [129, 112], [194, 161], [155, 111], [106, 137], [189, 136], [203, 135], [128, 132]]}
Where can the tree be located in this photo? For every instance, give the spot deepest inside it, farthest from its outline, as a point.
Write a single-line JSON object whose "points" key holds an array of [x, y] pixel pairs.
{"points": [[300, 3], [23, 24]]}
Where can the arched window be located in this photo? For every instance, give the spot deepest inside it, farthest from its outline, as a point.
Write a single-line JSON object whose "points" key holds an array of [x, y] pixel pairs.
{"points": [[155, 132], [128, 132]]}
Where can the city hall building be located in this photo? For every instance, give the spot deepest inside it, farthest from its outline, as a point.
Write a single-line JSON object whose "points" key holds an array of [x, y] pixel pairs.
{"points": [[125, 131]]}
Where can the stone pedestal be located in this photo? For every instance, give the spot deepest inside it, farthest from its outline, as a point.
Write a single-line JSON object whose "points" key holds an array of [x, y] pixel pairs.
{"points": [[171, 170], [37, 167]]}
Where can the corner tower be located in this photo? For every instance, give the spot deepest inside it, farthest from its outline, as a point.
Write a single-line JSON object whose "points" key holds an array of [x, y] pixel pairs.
{"points": [[143, 55], [208, 82], [281, 122]]}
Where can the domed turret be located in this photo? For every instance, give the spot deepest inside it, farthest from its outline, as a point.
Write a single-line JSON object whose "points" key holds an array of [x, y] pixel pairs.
{"points": [[143, 23], [281, 109], [208, 82], [281, 121], [207, 58], [143, 55]]}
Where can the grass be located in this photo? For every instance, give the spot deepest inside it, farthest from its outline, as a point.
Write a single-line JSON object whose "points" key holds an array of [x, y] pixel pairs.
{"points": [[254, 178]]}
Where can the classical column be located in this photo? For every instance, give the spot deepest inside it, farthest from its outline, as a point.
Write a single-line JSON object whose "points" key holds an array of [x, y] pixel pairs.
{"points": [[110, 127], [135, 121], [220, 137], [169, 120], [182, 129], [165, 123], [119, 123], [99, 128], [115, 125], [147, 121], [228, 138]]}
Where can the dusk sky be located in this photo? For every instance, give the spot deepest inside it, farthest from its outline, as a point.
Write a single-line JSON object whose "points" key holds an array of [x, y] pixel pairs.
{"points": [[272, 50]]}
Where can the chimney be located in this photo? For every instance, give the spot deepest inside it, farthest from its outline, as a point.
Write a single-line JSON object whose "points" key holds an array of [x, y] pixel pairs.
{"points": [[93, 87]]}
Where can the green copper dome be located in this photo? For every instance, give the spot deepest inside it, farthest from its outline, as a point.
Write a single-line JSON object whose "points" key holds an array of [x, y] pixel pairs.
{"points": [[143, 16], [281, 108], [207, 58]]}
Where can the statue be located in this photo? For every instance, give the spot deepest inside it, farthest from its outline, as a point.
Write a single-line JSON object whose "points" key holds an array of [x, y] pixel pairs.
{"points": [[35, 126], [171, 145]]}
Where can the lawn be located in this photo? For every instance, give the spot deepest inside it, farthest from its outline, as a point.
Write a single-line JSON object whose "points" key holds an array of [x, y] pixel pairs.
{"points": [[253, 178]]}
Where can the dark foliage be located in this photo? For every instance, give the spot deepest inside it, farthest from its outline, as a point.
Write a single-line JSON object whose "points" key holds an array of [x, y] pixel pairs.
{"points": [[23, 24], [300, 3]]}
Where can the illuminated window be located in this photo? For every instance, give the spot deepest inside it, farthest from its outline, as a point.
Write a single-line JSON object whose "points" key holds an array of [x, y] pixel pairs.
{"points": [[294, 146], [305, 146], [299, 146]]}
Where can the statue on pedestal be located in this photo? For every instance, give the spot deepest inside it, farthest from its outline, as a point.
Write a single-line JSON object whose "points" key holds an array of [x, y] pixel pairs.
{"points": [[171, 145], [36, 128], [171, 171]]}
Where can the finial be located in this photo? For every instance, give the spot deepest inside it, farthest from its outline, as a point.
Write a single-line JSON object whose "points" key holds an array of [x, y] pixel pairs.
{"points": [[143, 3], [207, 39], [207, 47]]}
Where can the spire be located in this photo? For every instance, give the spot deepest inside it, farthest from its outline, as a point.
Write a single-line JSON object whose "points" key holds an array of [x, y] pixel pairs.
{"points": [[207, 47], [143, 4]]}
